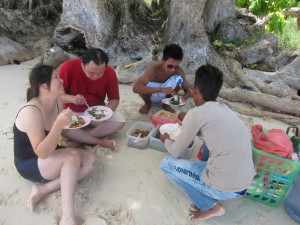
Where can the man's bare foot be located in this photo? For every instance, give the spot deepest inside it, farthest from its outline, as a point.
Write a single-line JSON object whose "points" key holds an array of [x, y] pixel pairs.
{"points": [[197, 214], [68, 220], [145, 109], [36, 194], [109, 144], [168, 108]]}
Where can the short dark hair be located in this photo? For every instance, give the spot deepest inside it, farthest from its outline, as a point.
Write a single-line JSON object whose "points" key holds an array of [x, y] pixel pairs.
{"points": [[173, 51], [40, 74], [209, 80], [97, 55]]}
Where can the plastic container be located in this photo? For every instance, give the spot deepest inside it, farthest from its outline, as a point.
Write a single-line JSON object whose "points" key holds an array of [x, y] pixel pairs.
{"points": [[137, 142], [162, 117], [157, 144], [292, 201], [274, 177]]}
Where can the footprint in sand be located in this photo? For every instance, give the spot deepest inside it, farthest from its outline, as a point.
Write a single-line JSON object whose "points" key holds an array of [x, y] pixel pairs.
{"points": [[132, 172], [95, 221], [7, 132]]}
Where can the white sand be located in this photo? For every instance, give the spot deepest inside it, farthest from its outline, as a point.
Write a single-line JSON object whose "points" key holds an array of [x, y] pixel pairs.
{"points": [[127, 187]]}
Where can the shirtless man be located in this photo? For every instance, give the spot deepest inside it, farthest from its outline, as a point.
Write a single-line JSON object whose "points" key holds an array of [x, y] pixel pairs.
{"points": [[162, 79]]}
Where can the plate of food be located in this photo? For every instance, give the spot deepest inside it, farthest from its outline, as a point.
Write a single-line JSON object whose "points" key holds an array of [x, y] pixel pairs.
{"points": [[98, 113], [77, 122], [175, 101], [172, 129]]}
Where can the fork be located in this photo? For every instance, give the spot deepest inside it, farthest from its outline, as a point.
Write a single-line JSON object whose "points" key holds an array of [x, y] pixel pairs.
{"points": [[87, 105]]}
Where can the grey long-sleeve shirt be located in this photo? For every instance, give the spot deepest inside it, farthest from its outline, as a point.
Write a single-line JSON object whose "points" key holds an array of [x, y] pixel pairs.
{"points": [[230, 166]]}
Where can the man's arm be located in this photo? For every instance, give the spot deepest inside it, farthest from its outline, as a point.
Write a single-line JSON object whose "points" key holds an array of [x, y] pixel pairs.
{"points": [[185, 86], [141, 88], [113, 104], [186, 136], [75, 99], [65, 71]]}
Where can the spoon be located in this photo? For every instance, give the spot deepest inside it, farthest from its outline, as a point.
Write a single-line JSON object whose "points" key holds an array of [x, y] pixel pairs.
{"points": [[87, 105], [135, 141]]}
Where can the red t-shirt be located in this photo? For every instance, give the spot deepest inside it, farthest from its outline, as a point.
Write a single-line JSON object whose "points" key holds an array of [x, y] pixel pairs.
{"points": [[94, 91]]}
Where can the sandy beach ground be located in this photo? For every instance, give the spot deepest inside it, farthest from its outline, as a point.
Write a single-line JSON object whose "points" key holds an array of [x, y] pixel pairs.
{"points": [[127, 186]]}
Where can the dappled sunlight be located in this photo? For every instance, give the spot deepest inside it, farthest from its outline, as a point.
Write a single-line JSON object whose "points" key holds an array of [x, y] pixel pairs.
{"points": [[135, 205]]}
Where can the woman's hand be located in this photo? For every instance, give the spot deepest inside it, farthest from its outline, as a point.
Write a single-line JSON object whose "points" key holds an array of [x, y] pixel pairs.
{"points": [[64, 117], [79, 99]]}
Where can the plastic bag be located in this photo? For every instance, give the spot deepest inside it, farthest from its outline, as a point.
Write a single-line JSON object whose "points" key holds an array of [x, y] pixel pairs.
{"points": [[276, 141]]}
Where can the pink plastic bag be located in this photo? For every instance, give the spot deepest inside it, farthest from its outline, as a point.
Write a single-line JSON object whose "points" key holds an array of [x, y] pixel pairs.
{"points": [[276, 141]]}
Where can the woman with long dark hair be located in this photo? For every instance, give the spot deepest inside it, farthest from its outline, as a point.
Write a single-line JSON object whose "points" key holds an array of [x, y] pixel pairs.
{"points": [[38, 126]]}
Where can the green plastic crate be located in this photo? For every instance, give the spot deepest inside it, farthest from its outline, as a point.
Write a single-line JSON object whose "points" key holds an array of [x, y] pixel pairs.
{"points": [[274, 177]]}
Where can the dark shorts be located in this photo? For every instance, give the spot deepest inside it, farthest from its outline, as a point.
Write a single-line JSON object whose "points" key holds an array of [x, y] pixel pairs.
{"points": [[29, 170]]}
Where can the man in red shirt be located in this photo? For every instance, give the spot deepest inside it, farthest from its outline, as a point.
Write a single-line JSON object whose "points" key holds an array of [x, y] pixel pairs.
{"points": [[88, 80]]}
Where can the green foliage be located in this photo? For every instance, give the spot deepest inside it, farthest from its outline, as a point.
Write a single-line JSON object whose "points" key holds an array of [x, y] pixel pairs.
{"points": [[276, 23], [233, 45], [290, 37], [262, 8], [148, 2], [271, 8]]}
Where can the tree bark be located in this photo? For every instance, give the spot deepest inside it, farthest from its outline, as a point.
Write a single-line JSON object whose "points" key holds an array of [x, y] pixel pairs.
{"points": [[291, 120], [134, 34]]}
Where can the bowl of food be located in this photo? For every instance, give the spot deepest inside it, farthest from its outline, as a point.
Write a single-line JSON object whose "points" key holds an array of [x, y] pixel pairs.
{"points": [[98, 113], [77, 122], [172, 129], [138, 135], [174, 101]]}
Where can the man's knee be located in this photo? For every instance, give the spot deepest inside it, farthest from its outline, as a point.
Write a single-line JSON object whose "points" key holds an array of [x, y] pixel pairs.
{"points": [[164, 165], [121, 125]]}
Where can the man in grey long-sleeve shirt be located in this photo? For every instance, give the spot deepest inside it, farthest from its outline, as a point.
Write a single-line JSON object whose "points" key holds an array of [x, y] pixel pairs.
{"points": [[229, 169]]}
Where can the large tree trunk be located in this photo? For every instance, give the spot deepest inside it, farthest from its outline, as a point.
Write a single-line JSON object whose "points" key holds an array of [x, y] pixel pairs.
{"points": [[130, 37], [124, 29], [133, 35], [26, 33]]}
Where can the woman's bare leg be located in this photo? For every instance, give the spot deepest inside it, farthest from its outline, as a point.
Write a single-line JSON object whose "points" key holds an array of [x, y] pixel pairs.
{"points": [[71, 166], [39, 191], [68, 181]]}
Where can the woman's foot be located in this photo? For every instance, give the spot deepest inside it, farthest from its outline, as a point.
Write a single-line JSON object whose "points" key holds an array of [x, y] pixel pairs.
{"points": [[68, 220], [36, 194], [109, 144], [197, 214]]}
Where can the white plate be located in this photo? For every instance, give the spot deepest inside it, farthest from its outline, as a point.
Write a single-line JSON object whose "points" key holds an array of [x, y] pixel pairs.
{"points": [[167, 102], [99, 107], [87, 121], [172, 129]]}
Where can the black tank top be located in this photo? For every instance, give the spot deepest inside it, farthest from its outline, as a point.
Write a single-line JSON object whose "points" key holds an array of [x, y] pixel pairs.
{"points": [[22, 147]]}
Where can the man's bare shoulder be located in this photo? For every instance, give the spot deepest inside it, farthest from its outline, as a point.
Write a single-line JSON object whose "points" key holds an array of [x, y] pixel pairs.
{"points": [[154, 66], [152, 70]]}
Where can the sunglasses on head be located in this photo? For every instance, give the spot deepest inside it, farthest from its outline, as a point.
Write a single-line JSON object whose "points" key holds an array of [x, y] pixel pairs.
{"points": [[170, 66]]}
